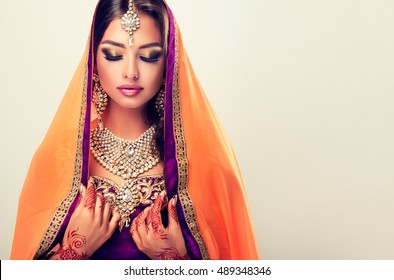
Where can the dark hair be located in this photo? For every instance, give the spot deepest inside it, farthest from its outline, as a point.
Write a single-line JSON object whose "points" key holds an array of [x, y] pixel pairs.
{"points": [[107, 10]]}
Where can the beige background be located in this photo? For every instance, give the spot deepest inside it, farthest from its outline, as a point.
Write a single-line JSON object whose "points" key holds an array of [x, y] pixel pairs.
{"points": [[304, 89]]}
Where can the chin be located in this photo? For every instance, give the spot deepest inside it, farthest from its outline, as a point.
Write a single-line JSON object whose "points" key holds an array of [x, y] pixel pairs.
{"points": [[134, 105], [129, 102]]}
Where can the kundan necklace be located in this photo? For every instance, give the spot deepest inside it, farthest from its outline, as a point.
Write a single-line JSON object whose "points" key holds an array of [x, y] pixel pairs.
{"points": [[128, 159]]}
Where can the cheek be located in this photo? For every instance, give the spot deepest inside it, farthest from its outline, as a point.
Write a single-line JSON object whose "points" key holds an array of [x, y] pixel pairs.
{"points": [[157, 76], [107, 72]]}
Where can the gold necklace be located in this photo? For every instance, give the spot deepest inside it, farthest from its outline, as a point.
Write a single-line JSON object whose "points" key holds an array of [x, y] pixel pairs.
{"points": [[125, 158], [128, 159]]}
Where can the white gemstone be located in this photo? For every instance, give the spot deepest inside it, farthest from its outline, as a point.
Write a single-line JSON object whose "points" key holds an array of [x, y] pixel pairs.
{"points": [[131, 151], [127, 195]]}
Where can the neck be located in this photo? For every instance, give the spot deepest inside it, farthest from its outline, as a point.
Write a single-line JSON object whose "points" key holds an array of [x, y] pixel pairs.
{"points": [[124, 123]]}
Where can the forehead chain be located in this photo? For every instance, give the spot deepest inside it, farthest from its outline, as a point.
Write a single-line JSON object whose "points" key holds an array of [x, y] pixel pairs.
{"points": [[130, 22]]}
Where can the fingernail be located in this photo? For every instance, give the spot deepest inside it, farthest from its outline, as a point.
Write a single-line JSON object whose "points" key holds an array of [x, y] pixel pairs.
{"points": [[81, 188], [175, 200]]}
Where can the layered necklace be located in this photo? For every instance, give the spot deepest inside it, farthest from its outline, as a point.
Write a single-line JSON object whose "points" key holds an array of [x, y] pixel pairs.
{"points": [[125, 158], [128, 159]]}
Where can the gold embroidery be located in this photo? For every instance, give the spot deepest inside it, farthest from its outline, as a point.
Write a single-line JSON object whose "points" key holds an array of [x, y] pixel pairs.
{"points": [[64, 207], [181, 157], [143, 190]]}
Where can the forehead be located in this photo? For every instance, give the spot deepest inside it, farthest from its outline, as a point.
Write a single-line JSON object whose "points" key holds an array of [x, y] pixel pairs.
{"points": [[148, 31]]}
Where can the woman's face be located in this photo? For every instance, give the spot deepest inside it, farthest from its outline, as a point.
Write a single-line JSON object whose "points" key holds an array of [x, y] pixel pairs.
{"points": [[131, 75]]}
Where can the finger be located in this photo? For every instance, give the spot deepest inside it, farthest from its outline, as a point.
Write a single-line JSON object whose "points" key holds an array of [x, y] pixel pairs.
{"points": [[154, 216], [159, 232], [139, 230], [80, 196], [138, 226], [99, 202], [90, 201], [173, 219], [80, 200], [114, 221], [154, 219], [107, 212], [98, 212]]}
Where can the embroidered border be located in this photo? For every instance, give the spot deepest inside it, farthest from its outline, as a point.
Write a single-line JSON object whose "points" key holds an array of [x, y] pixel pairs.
{"points": [[181, 157], [64, 207]]}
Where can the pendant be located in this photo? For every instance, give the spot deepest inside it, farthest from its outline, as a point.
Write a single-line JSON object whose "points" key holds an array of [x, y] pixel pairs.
{"points": [[126, 198]]}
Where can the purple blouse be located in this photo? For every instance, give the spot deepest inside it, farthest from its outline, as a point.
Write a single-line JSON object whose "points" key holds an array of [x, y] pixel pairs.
{"points": [[121, 245]]}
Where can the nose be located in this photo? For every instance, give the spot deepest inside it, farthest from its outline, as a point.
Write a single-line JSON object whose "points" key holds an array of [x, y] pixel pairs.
{"points": [[131, 70]]}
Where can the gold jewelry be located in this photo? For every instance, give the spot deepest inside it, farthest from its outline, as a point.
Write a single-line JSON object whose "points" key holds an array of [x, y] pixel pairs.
{"points": [[159, 102], [126, 198], [125, 158], [100, 99], [130, 22], [128, 159]]}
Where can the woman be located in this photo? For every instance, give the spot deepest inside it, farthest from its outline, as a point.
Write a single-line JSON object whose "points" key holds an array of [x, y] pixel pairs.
{"points": [[161, 178]]}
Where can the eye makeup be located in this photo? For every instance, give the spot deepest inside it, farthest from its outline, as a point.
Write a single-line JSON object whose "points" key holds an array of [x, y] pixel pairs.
{"points": [[151, 57], [147, 55], [111, 55]]}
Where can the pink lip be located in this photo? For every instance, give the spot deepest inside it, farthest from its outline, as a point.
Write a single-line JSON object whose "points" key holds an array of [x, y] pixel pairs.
{"points": [[130, 90]]}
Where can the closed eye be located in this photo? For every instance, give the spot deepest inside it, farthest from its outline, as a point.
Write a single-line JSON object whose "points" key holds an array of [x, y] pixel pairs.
{"points": [[111, 57], [151, 59]]}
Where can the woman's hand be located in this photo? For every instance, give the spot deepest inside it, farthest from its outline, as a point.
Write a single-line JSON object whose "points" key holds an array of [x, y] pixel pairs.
{"points": [[152, 238], [90, 226]]}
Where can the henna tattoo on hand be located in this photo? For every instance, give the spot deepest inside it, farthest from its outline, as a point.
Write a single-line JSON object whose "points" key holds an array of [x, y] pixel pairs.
{"points": [[101, 197], [171, 254], [135, 225], [67, 253], [153, 218], [174, 213], [90, 201], [76, 240]]}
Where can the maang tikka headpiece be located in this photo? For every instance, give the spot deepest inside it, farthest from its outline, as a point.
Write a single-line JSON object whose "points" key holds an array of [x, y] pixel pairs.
{"points": [[130, 22]]}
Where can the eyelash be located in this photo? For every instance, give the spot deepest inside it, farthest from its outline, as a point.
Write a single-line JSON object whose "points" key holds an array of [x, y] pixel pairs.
{"points": [[112, 57], [153, 59]]}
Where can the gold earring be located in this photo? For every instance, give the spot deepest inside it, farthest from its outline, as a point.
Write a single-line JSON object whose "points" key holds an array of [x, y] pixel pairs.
{"points": [[159, 102], [100, 99]]}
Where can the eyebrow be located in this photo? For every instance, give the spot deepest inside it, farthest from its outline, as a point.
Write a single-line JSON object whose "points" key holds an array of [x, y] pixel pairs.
{"points": [[110, 42], [150, 45]]}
